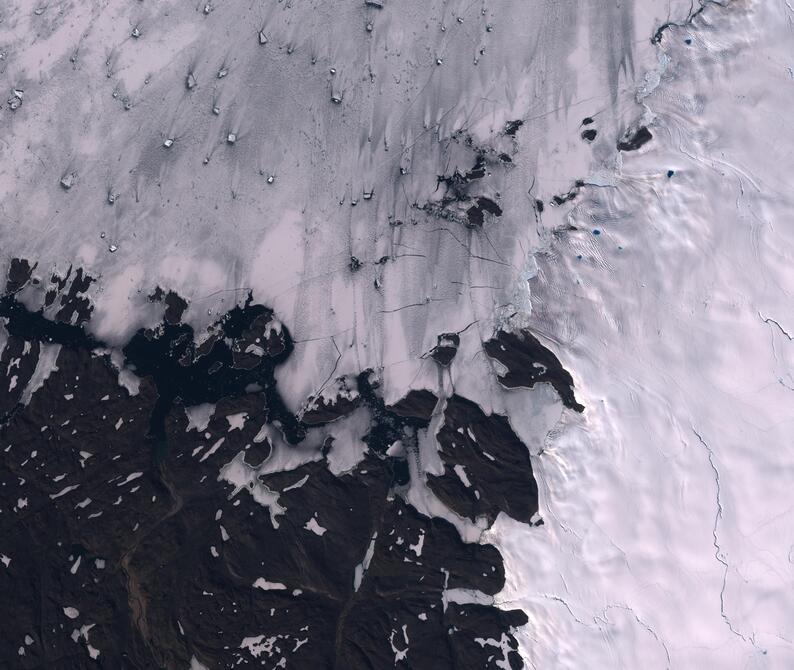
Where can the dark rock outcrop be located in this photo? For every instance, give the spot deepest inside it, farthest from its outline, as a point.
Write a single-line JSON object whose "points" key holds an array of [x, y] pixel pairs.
{"points": [[418, 404], [635, 139], [123, 548], [528, 363], [445, 349], [486, 467]]}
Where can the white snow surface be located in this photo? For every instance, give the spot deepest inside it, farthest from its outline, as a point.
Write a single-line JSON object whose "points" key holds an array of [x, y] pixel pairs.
{"points": [[668, 536], [45, 366], [199, 416], [262, 583], [212, 231]]}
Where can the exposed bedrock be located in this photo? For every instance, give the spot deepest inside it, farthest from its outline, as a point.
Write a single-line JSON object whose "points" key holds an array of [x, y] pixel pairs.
{"points": [[527, 362], [124, 547]]}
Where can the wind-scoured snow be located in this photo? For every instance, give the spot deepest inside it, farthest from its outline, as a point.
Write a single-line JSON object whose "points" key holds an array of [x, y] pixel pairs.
{"points": [[421, 92]]}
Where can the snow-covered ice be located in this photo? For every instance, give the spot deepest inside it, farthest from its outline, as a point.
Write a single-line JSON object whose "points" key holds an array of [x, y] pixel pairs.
{"points": [[298, 151]]}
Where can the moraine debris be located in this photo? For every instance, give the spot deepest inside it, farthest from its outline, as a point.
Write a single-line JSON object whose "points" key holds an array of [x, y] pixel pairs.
{"points": [[511, 127], [15, 101]]}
